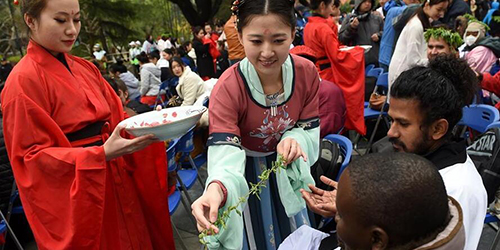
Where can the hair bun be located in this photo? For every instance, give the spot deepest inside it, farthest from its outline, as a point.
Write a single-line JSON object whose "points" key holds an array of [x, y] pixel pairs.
{"points": [[458, 72]]}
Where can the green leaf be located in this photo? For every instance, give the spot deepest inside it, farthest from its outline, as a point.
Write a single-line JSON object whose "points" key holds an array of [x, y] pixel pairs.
{"points": [[450, 37], [255, 189]]}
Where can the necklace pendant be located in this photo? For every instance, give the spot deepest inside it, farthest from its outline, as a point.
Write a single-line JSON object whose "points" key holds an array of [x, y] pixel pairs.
{"points": [[274, 110]]}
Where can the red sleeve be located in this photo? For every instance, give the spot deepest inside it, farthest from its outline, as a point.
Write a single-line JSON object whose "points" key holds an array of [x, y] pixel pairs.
{"points": [[224, 108], [491, 83], [311, 98], [56, 182]]}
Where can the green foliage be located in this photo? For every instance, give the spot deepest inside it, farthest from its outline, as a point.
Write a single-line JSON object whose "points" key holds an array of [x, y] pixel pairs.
{"points": [[107, 22], [255, 189], [496, 19], [450, 37], [469, 17], [345, 8], [115, 23], [14, 59], [473, 19]]}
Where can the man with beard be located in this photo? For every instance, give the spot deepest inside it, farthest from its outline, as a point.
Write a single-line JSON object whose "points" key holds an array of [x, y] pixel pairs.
{"points": [[442, 41], [426, 103]]}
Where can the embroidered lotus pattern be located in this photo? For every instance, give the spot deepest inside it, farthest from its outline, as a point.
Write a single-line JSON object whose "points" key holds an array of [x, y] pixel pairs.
{"points": [[272, 131]]}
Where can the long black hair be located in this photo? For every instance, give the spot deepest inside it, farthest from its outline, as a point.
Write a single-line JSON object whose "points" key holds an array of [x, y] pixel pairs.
{"points": [[314, 4], [424, 19]]}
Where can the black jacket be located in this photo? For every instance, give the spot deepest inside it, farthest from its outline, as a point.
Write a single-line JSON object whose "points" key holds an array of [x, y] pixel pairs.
{"points": [[369, 24], [457, 8], [4, 71], [6, 176], [204, 61]]}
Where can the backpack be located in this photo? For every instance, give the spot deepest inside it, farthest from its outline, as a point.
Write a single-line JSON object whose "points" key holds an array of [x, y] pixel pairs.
{"points": [[328, 164], [484, 153]]}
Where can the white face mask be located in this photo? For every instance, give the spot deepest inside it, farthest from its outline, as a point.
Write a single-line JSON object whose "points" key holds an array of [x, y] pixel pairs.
{"points": [[469, 40]]}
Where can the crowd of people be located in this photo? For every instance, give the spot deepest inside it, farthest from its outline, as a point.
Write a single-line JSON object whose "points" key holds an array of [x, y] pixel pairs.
{"points": [[273, 92]]}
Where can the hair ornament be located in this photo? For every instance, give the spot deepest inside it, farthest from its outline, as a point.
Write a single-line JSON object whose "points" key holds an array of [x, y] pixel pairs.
{"points": [[235, 8]]}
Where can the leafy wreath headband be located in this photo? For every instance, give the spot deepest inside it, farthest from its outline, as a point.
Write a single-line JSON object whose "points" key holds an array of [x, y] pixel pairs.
{"points": [[472, 19], [450, 37]]}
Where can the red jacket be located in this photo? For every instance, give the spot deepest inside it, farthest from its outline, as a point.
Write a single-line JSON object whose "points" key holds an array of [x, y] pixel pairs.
{"points": [[492, 84], [345, 68]]}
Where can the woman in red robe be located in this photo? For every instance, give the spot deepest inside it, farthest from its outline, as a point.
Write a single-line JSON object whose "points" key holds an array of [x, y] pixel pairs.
{"points": [[82, 185], [345, 68]]}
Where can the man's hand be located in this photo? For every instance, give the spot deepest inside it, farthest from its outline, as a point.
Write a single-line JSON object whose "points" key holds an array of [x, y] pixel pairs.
{"points": [[375, 37], [354, 23], [320, 201]]}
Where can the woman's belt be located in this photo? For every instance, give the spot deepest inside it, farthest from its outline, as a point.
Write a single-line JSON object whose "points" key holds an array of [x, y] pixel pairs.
{"points": [[323, 63], [94, 134], [324, 66]]}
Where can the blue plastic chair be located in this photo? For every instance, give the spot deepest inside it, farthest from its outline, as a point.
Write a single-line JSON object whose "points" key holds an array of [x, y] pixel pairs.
{"points": [[172, 165], [205, 102], [4, 224], [494, 125], [187, 177], [383, 83], [368, 68], [18, 209], [489, 218], [175, 198], [345, 146], [173, 202], [479, 117], [375, 72]]}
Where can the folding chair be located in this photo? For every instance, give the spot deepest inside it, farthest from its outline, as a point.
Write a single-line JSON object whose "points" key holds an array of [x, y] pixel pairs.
{"points": [[14, 195], [175, 198], [187, 177], [159, 100], [173, 203], [368, 68], [479, 117], [383, 83], [494, 125], [345, 146], [375, 72], [490, 219]]}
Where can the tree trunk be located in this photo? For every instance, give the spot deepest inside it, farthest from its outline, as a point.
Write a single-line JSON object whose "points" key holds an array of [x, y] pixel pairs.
{"points": [[199, 12]]}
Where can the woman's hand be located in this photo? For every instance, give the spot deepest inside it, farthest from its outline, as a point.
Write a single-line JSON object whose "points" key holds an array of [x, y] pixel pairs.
{"points": [[205, 209], [117, 146], [290, 150]]}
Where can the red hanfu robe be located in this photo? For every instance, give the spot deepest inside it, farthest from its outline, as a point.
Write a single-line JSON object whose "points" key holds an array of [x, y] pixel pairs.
{"points": [[345, 68], [74, 198]]}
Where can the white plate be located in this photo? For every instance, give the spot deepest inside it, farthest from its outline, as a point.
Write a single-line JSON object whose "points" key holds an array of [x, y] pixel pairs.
{"points": [[164, 124], [365, 47]]}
